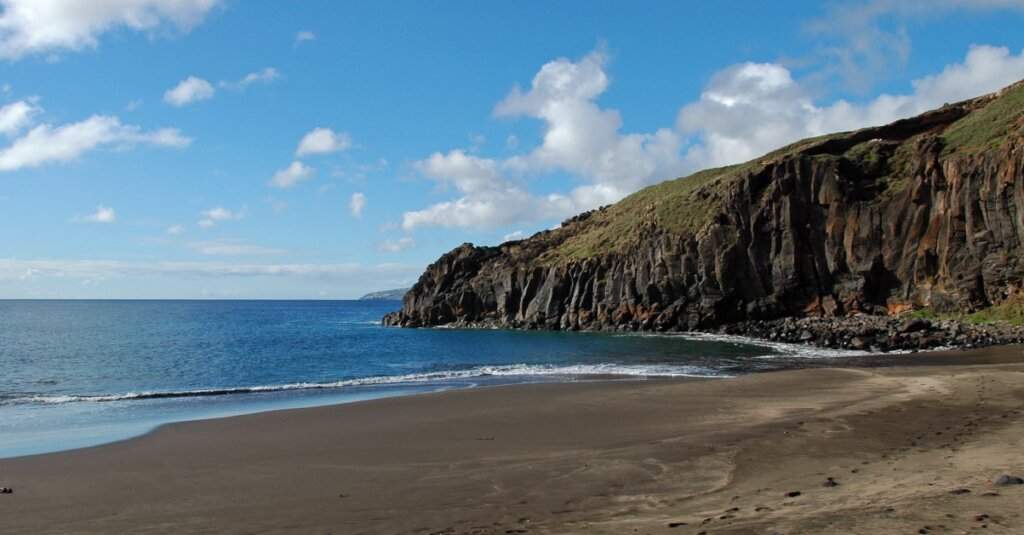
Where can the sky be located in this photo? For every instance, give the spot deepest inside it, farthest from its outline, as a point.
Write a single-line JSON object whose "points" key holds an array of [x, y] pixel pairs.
{"points": [[316, 149]]}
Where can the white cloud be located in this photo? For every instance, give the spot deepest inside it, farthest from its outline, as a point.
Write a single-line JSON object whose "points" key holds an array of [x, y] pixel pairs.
{"points": [[103, 214], [745, 111], [233, 248], [16, 116], [469, 174], [867, 40], [174, 230], [212, 216], [579, 137], [291, 175], [582, 138], [395, 246], [356, 204], [323, 141], [752, 108], [47, 143], [516, 235], [491, 208], [189, 90], [41, 26], [303, 36], [264, 76]]}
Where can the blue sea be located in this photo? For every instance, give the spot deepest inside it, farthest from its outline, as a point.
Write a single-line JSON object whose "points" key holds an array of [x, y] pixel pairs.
{"points": [[81, 373]]}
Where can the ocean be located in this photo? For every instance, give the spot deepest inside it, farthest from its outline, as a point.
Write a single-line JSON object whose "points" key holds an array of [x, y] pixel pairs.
{"points": [[81, 373]]}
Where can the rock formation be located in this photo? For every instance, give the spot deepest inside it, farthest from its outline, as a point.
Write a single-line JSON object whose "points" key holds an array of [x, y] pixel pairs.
{"points": [[924, 212]]}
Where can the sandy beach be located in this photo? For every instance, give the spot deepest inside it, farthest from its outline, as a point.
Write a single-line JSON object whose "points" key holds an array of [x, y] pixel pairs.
{"points": [[909, 449]]}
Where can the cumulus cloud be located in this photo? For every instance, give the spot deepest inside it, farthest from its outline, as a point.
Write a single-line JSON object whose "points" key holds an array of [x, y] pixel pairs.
{"points": [[744, 111], [865, 40], [16, 116], [174, 230], [233, 248], [212, 216], [469, 174], [189, 90], [103, 214], [42, 26], [356, 204], [490, 208], [749, 109], [579, 137], [292, 175], [263, 76], [304, 36], [323, 141], [47, 143], [395, 246]]}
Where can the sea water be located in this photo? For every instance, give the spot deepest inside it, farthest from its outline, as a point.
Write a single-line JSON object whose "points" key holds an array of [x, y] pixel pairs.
{"points": [[81, 373]]}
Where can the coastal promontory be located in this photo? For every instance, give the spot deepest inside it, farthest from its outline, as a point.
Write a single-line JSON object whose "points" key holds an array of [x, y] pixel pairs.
{"points": [[925, 214]]}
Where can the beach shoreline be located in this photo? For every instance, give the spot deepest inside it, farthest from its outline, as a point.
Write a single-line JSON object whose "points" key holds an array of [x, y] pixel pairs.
{"points": [[656, 456]]}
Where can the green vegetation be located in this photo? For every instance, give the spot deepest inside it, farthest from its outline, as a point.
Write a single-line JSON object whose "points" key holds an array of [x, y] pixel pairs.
{"points": [[899, 170], [678, 206], [988, 126], [1010, 311]]}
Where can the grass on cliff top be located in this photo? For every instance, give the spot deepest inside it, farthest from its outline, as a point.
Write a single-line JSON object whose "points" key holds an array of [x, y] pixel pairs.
{"points": [[1010, 311], [678, 206], [990, 125]]}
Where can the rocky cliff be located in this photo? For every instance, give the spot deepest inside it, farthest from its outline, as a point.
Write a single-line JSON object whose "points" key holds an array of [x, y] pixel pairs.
{"points": [[924, 212]]}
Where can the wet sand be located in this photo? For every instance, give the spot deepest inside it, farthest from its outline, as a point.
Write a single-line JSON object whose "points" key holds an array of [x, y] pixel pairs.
{"points": [[912, 449]]}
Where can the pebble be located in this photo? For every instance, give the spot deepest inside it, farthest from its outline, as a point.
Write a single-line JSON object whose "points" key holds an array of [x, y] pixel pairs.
{"points": [[6, 490], [830, 482], [1004, 480], [793, 494], [958, 492], [878, 333]]}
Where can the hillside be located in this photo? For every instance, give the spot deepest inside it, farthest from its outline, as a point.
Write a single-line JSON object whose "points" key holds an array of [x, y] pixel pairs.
{"points": [[926, 212], [385, 295]]}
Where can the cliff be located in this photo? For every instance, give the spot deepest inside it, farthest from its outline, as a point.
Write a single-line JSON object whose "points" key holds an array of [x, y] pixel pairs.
{"points": [[924, 212]]}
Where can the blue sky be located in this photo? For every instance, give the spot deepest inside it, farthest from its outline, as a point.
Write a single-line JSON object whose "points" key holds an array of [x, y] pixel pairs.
{"points": [[319, 149]]}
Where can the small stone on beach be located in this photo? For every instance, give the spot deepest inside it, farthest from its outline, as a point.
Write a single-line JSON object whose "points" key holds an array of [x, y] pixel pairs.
{"points": [[6, 490], [1004, 480], [793, 494]]}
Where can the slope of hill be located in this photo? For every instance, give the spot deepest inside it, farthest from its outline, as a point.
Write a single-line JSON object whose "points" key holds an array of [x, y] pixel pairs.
{"points": [[385, 295]]}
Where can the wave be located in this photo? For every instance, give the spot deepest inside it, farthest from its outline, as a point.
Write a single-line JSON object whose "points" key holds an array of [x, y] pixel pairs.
{"points": [[779, 349], [511, 370]]}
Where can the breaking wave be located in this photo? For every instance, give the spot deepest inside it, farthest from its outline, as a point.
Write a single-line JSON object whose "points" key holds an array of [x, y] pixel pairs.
{"points": [[513, 370]]}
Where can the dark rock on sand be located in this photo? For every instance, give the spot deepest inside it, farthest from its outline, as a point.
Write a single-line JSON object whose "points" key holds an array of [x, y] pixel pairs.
{"points": [[1004, 480]]}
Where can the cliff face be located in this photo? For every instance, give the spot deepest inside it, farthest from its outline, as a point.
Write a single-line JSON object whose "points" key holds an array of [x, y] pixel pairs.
{"points": [[927, 211]]}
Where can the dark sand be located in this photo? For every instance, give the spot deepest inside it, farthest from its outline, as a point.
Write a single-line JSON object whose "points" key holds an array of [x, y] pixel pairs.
{"points": [[610, 457]]}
